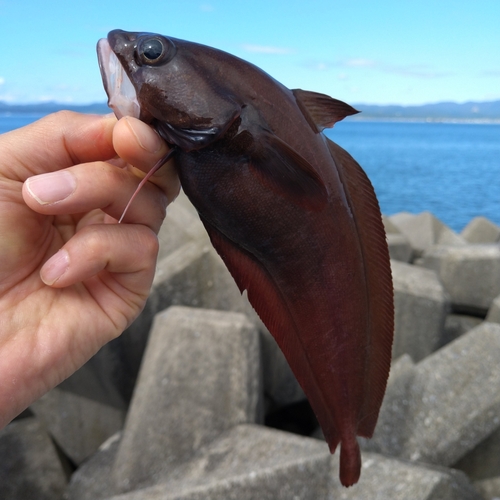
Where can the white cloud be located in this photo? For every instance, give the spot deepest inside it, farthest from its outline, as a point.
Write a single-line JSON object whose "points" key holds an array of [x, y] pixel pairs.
{"points": [[412, 70], [7, 97], [266, 49], [360, 63], [2, 80], [46, 98], [416, 70], [319, 65]]}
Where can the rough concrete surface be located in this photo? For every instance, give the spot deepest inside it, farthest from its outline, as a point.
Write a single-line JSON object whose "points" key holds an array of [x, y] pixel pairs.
{"points": [[387, 478], [456, 398], [30, 468], [246, 463], [200, 377], [421, 305], [481, 230], [470, 274]]}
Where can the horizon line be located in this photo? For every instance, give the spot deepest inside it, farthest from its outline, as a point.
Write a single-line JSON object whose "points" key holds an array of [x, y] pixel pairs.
{"points": [[364, 103]]}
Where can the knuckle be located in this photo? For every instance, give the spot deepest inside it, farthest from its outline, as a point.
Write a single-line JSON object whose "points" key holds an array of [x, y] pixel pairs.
{"points": [[62, 116], [151, 244]]}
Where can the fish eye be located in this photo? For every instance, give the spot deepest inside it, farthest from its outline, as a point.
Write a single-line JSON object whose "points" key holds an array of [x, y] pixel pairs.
{"points": [[153, 51]]}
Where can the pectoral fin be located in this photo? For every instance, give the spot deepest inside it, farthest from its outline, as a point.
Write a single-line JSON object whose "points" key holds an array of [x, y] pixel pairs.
{"points": [[283, 170]]}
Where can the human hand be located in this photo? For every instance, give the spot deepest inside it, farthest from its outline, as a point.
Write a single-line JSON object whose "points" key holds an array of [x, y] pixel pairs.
{"points": [[71, 278]]}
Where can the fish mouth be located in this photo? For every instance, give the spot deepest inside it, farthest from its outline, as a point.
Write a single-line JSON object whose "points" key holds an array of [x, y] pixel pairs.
{"points": [[122, 96]]}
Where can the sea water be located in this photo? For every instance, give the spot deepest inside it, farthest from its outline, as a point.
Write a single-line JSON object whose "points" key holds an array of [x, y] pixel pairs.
{"points": [[449, 169], [11, 121]]}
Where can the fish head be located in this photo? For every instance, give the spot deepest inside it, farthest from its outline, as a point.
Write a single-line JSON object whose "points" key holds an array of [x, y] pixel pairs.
{"points": [[169, 83]]}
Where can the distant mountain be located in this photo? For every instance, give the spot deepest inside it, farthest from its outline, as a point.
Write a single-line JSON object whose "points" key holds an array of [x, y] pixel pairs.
{"points": [[438, 111], [52, 107]]}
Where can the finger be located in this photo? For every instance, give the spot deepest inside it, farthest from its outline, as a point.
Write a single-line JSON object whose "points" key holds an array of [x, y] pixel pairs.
{"points": [[85, 187], [56, 141], [139, 145], [126, 251]]}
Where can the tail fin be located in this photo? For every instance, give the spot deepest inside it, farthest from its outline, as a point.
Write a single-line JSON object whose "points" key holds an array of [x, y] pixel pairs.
{"points": [[350, 462]]}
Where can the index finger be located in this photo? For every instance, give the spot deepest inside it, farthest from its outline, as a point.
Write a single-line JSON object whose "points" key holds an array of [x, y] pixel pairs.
{"points": [[56, 141]]}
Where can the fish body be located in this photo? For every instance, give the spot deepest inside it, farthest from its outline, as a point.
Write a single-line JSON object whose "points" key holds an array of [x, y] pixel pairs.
{"points": [[292, 215]]}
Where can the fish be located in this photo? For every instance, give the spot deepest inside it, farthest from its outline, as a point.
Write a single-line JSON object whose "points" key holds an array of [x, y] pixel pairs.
{"points": [[292, 214]]}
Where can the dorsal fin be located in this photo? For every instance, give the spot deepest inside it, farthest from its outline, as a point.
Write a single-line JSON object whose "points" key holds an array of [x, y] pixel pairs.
{"points": [[324, 111], [366, 212]]}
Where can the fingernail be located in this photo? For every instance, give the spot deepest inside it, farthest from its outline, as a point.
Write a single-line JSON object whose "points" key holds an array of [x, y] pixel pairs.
{"points": [[147, 138], [55, 267], [51, 188]]}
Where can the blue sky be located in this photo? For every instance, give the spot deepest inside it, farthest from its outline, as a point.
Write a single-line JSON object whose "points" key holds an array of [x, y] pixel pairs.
{"points": [[360, 51]]}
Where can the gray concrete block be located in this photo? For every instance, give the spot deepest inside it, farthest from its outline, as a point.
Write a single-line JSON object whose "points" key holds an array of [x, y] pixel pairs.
{"points": [[200, 376], [29, 465], [470, 274], [421, 306], [448, 237], [399, 220], [456, 325], [384, 478], [79, 424], [394, 422], [440, 409], [280, 384], [424, 230], [92, 480], [389, 226], [246, 463], [455, 400], [481, 230], [489, 488], [193, 275], [484, 460], [181, 225], [399, 247], [172, 234], [494, 311]]}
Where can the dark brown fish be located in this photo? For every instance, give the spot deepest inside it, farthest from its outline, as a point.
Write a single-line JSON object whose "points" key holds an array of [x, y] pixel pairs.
{"points": [[293, 216]]}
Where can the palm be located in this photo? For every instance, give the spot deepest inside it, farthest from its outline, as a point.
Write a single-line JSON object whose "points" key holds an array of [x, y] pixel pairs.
{"points": [[49, 331], [80, 311]]}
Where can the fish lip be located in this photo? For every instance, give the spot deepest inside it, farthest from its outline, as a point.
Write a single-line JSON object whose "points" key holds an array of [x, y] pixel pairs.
{"points": [[122, 95]]}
